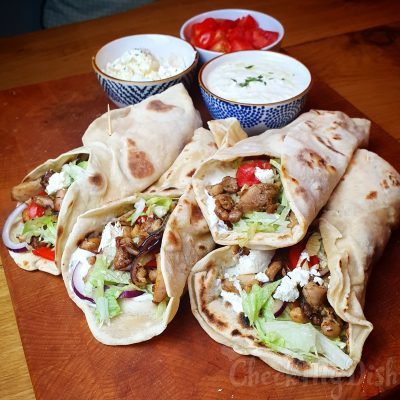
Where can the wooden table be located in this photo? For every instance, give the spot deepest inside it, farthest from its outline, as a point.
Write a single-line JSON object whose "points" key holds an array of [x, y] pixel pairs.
{"points": [[352, 45]]}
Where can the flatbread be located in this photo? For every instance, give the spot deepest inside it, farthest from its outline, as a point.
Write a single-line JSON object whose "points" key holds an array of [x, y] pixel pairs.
{"points": [[315, 151]]}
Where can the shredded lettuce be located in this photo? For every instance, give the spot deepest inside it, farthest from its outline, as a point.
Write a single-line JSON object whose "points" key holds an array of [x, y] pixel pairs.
{"points": [[257, 221], [105, 286], [158, 205], [256, 299], [155, 205], [140, 205], [42, 227], [302, 341], [161, 307], [75, 171]]}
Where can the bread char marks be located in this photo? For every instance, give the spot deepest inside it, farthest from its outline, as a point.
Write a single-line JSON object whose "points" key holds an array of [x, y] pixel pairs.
{"points": [[212, 318], [159, 106], [138, 163]]}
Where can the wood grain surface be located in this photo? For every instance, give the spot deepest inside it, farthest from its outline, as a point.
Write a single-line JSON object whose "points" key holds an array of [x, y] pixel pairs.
{"points": [[184, 362], [364, 67]]}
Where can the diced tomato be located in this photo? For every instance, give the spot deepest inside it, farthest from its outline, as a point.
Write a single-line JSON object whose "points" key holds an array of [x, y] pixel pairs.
{"points": [[247, 22], [294, 253], [314, 260], [241, 44], [225, 24], [34, 210], [225, 35], [222, 46], [245, 173], [258, 39], [44, 252], [271, 36], [205, 40]]}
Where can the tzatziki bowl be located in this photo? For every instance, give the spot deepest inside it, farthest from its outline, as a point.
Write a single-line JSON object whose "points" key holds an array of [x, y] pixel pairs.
{"points": [[262, 89], [131, 68]]}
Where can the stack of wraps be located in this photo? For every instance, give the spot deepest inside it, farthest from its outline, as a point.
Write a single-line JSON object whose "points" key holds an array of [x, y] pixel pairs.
{"points": [[125, 151], [352, 229], [185, 239]]}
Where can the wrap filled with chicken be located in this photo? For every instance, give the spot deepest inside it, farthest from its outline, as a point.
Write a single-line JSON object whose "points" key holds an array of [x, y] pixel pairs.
{"points": [[300, 309], [265, 191], [126, 264], [115, 162]]}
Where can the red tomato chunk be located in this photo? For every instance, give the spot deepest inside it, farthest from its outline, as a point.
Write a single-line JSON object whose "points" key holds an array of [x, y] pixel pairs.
{"points": [[225, 35]]}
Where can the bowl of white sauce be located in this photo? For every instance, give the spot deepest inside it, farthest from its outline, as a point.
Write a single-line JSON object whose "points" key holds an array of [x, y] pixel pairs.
{"points": [[132, 68], [262, 89]]}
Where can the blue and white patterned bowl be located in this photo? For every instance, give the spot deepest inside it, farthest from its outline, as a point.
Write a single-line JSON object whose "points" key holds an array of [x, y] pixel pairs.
{"points": [[255, 118], [122, 92]]}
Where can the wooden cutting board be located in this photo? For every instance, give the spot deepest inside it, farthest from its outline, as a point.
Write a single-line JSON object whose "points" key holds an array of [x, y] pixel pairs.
{"points": [[66, 362]]}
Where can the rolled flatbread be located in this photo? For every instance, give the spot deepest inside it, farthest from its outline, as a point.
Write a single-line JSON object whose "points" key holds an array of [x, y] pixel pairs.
{"points": [[185, 240], [307, 159], [354, 229], [128, 149]]}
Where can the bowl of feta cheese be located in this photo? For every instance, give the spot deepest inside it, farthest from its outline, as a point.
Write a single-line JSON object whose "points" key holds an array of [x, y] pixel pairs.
{"points": [[131, 68], [262, 89]]}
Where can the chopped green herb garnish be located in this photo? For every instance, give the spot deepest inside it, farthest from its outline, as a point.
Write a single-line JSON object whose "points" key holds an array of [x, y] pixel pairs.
{"points": [[234, 80], [249, 67], [249, 79]]}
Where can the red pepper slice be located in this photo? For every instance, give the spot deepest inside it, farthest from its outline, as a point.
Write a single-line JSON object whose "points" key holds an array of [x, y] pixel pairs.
{"points": [[245, 173], [34, 210], [44, 252]]}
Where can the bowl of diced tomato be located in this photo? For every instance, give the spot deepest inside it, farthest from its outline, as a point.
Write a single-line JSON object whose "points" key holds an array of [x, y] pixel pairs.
{"points": [[213, 33]]}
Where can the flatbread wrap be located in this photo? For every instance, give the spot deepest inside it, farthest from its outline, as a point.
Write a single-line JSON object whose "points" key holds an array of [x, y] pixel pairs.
{"points": [[300, 310], [265, 191], [118, 162], [126, 264]]}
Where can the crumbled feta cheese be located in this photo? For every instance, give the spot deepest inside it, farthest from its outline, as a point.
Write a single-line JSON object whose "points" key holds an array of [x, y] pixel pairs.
{"points": [[303, 256], [314, 271], [287, 290], [318, 280], [108, 243], [142, 65], [58, 181], [262, 277], [300, 276], [264, 175], [233, 299], [255, 262]]}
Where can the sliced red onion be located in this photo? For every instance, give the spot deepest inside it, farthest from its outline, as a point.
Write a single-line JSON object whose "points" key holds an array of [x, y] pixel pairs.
{"points": [[129, 294], [17, 247], [78, 285], [279, 307]]}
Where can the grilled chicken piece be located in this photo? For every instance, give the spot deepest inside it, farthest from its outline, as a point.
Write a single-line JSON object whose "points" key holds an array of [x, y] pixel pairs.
{"points": [[90, 244], [59, 199], [215, 190], [160, 291], [44, 201], [229, 184], [124, 255], [314, 294], [260, 197], [26, 190]]}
